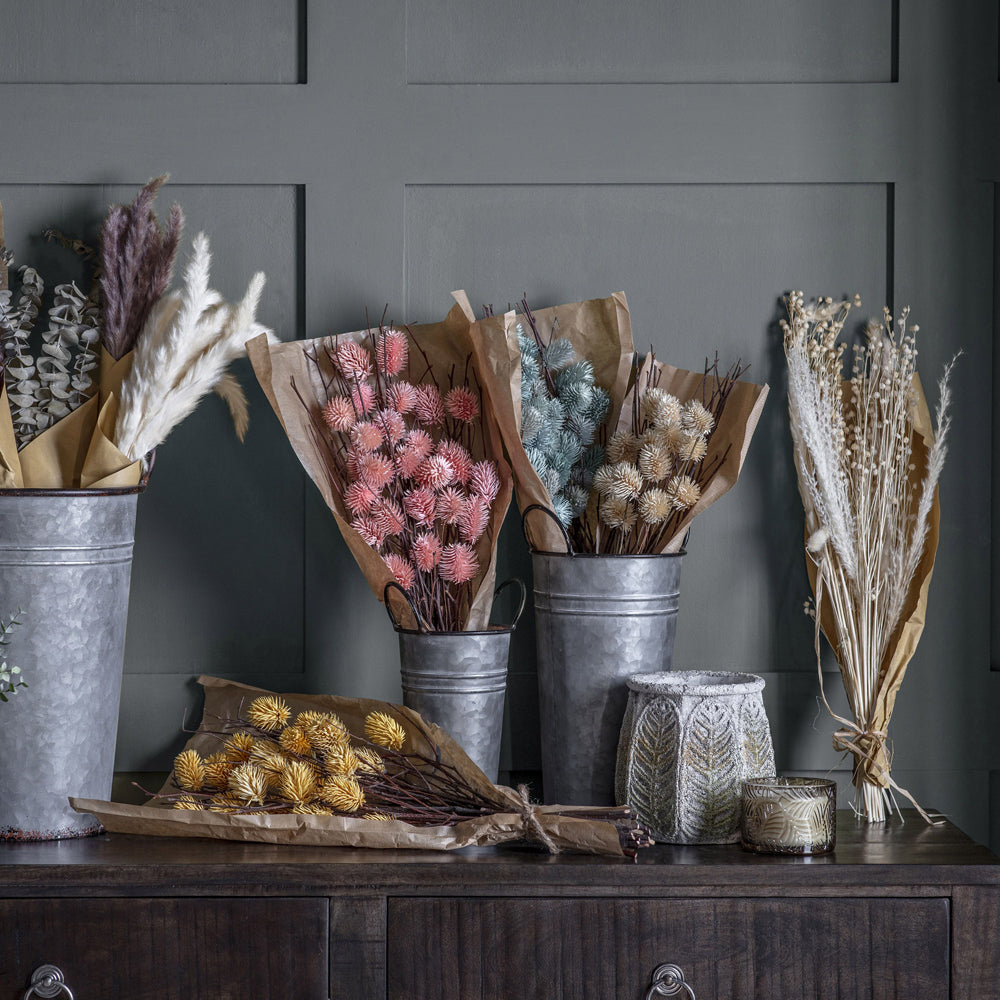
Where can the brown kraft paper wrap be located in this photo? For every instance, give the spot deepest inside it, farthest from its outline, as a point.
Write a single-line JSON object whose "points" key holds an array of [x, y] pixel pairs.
{"points": [[600, 330], [226, 698], [285, 373]]}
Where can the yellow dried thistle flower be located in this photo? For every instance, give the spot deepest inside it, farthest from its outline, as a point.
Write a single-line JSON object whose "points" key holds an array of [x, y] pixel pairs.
{"points": [[622, 447], [618, 514], [269, 712], [312, 809], [227, 800], [298, 782], [384, 730], [328, 733], [369, 762], [344, 794], [248, 782], [188, 803], [189, 771], [217, 772], [343, 760], [694, 417], [306, 719], [655, 506], [685, 492], [380, 817], [655, 461], [295, 740], [238, 746]]}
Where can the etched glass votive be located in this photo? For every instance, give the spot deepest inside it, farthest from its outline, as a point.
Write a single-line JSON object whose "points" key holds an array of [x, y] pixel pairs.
{"points": [[788, 815]]}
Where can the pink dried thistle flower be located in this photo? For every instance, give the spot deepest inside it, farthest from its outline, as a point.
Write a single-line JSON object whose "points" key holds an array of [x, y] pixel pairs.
{"points": [[359, 498], [429, 406], [450, 503], [420, 504], [389, 517], [338, 414], [458, 563], [461, 460], [461, 403], [474, 518], [402, 569], [402, 396], [392, 424], [436, 472], [392, 350], [376, 471], [353, 361], [484, 480], [363, 398], [368, 528], [353, 462], [427, 549], [367, 436]]}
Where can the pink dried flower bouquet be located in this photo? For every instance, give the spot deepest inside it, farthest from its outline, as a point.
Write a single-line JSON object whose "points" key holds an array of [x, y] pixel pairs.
{"points": [[410, 464]]}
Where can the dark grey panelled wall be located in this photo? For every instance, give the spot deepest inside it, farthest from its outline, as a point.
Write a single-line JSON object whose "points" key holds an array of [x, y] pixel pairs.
{"points": [[702, 155]]}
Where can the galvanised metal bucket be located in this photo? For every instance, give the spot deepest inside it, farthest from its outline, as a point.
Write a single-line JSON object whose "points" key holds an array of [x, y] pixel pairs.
{"points": [[65, 560], [599, 619], [458, 681]]}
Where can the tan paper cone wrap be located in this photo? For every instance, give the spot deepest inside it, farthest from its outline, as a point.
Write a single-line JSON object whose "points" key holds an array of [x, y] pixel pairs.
{"points": [[294, 387], [600, 330], [875, 764], [225, 699], [76, 451]]}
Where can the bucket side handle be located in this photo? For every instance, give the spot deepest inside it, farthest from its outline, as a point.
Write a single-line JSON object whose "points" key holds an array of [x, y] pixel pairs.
{"points": [[545, 510], [422, 626], [524, 598]]}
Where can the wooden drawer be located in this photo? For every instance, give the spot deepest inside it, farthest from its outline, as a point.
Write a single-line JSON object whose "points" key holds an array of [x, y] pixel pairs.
{"points": [[737, 949], [154, 949]]}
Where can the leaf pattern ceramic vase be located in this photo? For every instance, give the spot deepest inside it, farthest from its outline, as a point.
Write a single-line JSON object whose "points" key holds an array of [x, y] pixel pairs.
{"points": [[688, 741]]}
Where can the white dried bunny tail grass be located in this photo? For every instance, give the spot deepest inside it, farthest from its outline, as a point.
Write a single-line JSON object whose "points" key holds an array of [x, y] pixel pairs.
{"points": [[185, 360]]}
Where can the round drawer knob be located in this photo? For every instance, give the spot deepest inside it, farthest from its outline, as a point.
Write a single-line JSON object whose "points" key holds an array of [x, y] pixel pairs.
{"points": [[47, 981], [668, 981]]}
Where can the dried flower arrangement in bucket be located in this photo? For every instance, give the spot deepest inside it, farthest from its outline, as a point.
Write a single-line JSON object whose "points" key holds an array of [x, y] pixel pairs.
{"points": [[621, 457], [321, 770], [117, 368], [389, 424], [868, 460]]}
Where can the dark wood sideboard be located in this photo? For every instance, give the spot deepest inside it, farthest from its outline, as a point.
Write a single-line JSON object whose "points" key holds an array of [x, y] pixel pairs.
{"points": [[905, 911]]}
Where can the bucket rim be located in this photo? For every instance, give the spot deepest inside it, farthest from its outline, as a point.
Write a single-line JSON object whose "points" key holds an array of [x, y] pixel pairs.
{"points": [[110, 491], [610, 556], [696, 682], [492, 630]]}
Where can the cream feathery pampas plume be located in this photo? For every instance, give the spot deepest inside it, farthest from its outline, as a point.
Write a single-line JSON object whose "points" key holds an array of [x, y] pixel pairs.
{"points": [[182, 353]]}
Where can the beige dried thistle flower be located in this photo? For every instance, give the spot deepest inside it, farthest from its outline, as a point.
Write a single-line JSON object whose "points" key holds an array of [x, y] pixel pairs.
{"points": [[189, 771], [623, 446], [618, 514], [655, 506], [602, 480], [237, 748], [695, 417], [384, 730], [295, 740], [655, 461], [685, 492], [344, 794], [693, 448], [661, 408], [343, 760], [369, 762], [298, 781], [626, 481], [269, 712], [188, 803], [249, 783]]}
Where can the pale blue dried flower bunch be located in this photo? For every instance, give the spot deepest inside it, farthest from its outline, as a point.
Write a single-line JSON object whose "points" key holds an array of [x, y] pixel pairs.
{"points": [[562, 410]]}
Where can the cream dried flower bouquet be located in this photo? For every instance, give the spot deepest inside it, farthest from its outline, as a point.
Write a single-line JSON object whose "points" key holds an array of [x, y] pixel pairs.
{"points": [[86, 400], [868, 461]]}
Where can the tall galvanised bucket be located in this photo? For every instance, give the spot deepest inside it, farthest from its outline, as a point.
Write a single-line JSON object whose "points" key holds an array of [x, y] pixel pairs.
{"points": [[65, 561], [599, 619], [458, 681]]}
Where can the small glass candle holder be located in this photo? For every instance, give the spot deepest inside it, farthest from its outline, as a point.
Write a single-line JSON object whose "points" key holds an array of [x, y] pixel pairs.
{"points": [[788, 815]]}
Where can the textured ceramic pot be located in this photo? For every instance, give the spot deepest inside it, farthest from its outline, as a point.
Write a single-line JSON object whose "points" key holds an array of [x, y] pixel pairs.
{"points": [[689, 740], [65, 560], [598, 620]]}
